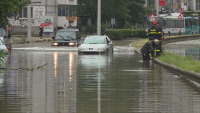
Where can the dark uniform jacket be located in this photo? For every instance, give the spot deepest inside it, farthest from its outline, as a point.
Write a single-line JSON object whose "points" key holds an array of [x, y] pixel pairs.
{"points": [[154, 33], [147, 46]]}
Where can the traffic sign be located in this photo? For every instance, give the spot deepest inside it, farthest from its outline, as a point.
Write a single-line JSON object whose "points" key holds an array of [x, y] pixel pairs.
{"points": [[152, 18], [180, 11], [161, 2], [180, 16]]}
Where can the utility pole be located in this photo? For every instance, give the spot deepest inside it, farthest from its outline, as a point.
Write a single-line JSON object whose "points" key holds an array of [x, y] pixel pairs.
{"points": [[157, 7], [99, 18], [29, 22]]}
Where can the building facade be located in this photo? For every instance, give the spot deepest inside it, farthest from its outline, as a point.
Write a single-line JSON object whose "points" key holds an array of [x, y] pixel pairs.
{"points": [[62, 11]]}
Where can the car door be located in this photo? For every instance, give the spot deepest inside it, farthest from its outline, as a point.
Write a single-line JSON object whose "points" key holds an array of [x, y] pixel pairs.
{"points": [[109, 43], [78, 37]]}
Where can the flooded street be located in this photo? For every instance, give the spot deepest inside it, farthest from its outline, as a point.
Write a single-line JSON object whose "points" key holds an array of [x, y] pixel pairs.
{"points": [[92, 83]]}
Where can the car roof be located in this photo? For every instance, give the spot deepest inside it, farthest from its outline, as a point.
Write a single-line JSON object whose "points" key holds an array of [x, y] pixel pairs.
{"points": [[68, 29], [97, 36]]}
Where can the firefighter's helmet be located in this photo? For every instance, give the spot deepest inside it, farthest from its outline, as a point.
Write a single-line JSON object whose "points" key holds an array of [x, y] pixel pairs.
{"points": [[156, 41], [154, 22]]}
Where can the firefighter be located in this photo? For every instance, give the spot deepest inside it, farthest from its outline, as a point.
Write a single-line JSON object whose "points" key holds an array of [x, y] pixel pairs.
{"points": [[155, 33], [149, 47]]}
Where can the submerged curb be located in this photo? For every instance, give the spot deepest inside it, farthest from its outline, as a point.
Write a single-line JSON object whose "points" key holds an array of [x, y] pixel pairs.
{"points": [[172, 67]]}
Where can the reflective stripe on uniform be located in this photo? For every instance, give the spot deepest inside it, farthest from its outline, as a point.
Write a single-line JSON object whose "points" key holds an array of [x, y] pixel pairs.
{"points": [[154, 33]]}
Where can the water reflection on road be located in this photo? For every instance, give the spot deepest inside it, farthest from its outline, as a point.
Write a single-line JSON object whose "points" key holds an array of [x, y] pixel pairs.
{"points": [[185, 48], [74, 83]]}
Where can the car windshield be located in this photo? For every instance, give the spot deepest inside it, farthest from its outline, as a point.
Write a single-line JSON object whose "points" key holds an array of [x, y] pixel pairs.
{"points": [[94, 40], [65, 35]]}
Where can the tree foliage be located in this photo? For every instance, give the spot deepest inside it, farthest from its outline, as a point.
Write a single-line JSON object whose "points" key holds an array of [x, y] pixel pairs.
{"points": [[137, 11], [10, 7], [133, 10], [109, 9]]}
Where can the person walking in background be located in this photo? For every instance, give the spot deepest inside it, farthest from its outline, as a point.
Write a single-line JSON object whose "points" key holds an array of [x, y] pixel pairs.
{"points": [[41, 30], [149, 47], [70, 26], [64, 27], [9, 34]]}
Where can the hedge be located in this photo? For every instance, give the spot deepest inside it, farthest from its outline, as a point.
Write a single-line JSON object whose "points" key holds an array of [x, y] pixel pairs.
{"points": [[117, 34]]}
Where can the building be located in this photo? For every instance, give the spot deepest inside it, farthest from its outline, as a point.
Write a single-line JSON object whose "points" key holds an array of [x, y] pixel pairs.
{"points": [[62, 11]]}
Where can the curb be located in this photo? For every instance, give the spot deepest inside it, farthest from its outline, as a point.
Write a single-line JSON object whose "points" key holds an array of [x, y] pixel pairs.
{"points": [[174, 68]]}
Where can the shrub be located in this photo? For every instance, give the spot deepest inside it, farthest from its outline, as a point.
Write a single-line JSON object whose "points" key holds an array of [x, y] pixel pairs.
{"points": [[103, 29], [116, 34]]}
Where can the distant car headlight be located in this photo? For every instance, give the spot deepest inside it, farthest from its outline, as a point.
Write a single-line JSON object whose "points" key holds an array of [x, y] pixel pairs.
{"points": [[71, 43], [55, 44], [101, 49], [81, 49]]}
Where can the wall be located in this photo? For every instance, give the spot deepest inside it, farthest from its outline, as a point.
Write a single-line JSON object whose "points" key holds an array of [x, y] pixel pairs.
{"points": [[38, 14], [18, 30], [192, 5], [62, 20], [70, 2], [41, 8]]}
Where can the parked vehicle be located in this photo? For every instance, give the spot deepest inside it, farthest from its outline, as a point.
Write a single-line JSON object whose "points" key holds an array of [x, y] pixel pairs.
{"points": [[3, 48], [96, 44], [66, 37]]}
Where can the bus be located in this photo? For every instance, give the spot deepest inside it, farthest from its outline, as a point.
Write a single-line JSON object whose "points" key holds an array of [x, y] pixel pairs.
{"points": [[172, 25]]}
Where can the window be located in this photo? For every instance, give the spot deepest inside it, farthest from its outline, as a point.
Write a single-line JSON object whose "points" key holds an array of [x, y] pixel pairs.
{"points": [[197, 4], [61, 10], [174, 23], [71, 10], [194, 22], [24, 12], [187, 23]]}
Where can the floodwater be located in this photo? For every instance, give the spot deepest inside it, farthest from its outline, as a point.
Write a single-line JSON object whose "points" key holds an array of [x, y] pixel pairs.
{"points": [[92, 83], [185, 48]]}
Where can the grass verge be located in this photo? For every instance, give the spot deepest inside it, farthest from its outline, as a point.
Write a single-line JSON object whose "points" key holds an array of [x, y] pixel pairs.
{"points": [[185, 63]]}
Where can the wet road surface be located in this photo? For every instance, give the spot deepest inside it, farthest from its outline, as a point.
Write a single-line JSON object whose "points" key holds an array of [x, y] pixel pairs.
{"points": [[93, 83]]}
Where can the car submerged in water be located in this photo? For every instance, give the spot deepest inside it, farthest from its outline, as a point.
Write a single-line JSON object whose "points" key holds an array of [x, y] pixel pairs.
{"points": [[67, 37], [96, 44]]}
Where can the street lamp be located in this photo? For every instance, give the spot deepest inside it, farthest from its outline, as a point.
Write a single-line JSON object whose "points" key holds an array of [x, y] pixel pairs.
{"points": [[99, 18]]}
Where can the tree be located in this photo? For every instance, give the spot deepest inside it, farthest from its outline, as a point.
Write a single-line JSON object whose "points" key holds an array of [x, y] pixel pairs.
{"points": [[109, 9], [137, 11], [10, 7]]}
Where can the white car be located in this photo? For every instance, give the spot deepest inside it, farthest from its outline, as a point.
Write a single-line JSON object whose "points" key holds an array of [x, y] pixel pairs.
{"points": [[96, 44], [3, 48]]}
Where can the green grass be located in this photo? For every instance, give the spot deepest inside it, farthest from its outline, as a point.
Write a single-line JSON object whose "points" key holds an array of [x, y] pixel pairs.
{"points": [[185, 63], [139, 43]]}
